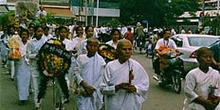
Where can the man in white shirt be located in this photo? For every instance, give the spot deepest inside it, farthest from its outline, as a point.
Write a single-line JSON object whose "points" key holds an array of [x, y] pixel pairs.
{"points": [[163, 42]]}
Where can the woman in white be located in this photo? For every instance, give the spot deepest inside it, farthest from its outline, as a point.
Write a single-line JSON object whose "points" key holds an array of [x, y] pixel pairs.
{"points": [[79, 37], [22, 70], [89, 30], [116, 35]]}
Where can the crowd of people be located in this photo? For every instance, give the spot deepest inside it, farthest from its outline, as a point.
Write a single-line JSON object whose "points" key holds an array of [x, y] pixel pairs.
{"points": [[121, 84], [94, 82]]}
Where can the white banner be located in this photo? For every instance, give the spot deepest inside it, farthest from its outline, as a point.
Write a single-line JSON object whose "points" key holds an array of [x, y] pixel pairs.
{"points": [[3, 2]]}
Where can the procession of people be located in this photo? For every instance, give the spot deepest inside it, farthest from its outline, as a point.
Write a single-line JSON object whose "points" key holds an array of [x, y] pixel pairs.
{"points": [[68, 58], [29, 48]]}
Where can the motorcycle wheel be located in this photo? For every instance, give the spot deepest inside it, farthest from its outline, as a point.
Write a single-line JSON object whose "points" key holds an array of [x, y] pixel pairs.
{"points": [[176, 78]]}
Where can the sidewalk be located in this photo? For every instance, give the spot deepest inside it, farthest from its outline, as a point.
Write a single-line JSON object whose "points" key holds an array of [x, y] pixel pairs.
{"points": [[9, 98]]}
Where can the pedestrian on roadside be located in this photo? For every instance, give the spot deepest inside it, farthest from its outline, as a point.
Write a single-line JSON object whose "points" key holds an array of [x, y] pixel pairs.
{"points": [[202, 84], [125, 81], [88, 76], [22, 70], [33, 48]]}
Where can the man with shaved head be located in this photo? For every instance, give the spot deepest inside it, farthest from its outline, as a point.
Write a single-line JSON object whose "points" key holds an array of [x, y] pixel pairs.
{"points": [[125, 82]]}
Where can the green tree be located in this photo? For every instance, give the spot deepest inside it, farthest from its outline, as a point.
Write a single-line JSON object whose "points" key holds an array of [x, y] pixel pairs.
{"points": [[157, 12], [213, 23]]}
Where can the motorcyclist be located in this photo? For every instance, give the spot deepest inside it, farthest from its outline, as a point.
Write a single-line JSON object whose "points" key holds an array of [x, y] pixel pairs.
{"points": [[163, 46]]}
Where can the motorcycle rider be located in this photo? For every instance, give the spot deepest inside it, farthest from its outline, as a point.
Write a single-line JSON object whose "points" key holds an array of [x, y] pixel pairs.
{"points": [[163, 46]]}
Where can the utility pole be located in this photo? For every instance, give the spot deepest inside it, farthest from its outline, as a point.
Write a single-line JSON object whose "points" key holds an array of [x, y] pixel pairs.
{"points": [[218, 6], [97, 14], [92, 13], [86, 11]]}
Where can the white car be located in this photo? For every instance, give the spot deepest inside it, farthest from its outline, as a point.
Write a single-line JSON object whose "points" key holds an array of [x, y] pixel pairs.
{"points": [[188, 44]]}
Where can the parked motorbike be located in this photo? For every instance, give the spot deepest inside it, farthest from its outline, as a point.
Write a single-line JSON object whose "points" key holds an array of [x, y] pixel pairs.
{"points": [[170, 72]]}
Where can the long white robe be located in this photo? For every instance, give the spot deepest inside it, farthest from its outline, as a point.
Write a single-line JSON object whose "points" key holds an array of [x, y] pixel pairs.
{"points": [[89, 70], [22, 74], [116, 73], [197, 84]]}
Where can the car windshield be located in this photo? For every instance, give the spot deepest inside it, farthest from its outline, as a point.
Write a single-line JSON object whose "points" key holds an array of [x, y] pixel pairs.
{"points": [[201, 41]]}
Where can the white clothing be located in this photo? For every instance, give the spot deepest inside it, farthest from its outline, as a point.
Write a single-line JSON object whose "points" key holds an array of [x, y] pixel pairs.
{"points": [[33, 48], [91, 71], [116, 73], [22, 74], [82, 48], [77, 42], [49, 36], [169, 43], [41, 13], [112, 44], [197, 84], [69, 45]]}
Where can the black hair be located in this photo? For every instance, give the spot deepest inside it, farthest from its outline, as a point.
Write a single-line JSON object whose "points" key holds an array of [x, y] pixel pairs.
{"points": [[129, 28], [113, 31], [46, 27], [36, 28], [23, 30], [8, 29], [62, 27], [77, 28], [201, 50], [167, 29], [87, 28]]}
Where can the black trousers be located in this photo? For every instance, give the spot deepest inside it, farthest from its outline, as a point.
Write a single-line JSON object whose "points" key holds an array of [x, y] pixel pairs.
{"points": [[43, 85]]}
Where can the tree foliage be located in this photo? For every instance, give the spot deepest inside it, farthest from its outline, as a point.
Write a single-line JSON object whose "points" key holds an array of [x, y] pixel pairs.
{"points": [[213, 23], [156, 12]]}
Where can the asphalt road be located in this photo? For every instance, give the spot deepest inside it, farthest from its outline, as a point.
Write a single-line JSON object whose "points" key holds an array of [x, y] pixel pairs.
{"points": [[158, 98]]}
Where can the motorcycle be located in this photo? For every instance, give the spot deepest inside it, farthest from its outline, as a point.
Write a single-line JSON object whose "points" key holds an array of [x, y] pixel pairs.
{"points": [[171, 69]]}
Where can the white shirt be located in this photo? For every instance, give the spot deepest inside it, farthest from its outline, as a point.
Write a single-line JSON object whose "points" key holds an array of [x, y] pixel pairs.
{"points": [[112, 44], [197, 84], [169, 43], [68, 44]]}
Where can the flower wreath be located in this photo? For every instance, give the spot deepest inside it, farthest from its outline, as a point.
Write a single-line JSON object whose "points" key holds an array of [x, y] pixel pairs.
{"points": [[108, 52], [54, 59]]}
